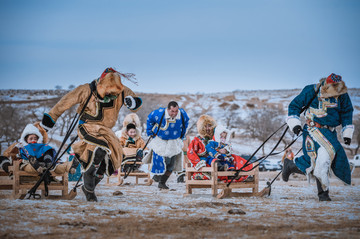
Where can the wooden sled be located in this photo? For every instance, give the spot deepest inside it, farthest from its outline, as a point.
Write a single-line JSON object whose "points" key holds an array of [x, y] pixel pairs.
{"points": [[22, 181], [214, 184], [147, 182]]}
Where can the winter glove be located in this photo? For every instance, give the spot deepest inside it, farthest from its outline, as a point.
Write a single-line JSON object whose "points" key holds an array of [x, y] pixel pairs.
{"points": [[297, 129], [347, 141], [130, 102], [294, 123], [220, 157], [139, 155], [47, 122], [347, 133]]}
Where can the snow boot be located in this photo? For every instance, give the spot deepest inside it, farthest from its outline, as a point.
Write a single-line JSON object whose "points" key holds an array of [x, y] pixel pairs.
{"points": [[156, 178], [289, 168], [89, 184], [163, 180], [323, 195]]}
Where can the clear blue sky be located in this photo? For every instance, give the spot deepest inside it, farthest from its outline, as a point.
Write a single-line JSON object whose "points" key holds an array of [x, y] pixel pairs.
{"points": [[179, 46]]}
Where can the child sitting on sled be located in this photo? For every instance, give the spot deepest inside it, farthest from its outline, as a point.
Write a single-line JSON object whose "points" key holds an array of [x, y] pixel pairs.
{"points": [[219, 149], [130, 138], [35, 155]]}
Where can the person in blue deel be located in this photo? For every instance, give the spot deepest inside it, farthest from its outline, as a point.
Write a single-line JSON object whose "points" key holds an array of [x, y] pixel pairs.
{"points": [[330, 106], [167, 126]]}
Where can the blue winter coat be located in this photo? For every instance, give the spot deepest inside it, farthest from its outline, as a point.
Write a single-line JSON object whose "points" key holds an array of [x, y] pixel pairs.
{"points": [[36, 150], [169, 129], [327, 112]]}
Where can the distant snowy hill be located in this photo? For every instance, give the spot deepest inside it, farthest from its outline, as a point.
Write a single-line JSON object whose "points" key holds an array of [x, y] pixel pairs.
{"points": [[231, 109]]}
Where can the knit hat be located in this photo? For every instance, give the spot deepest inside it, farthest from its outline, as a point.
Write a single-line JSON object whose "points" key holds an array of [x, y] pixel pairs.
{"points": [[106, 71], [333, 78], [130, 126]]}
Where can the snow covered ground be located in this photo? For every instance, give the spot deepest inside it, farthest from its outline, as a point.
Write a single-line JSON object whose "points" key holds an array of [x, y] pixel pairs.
{"points": [[291, 211]]}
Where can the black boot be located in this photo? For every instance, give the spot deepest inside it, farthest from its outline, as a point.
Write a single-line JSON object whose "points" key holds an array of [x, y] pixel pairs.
{"points": [[289, 168], [323, 195], [163, 180], [89, 184], [156, 178]]}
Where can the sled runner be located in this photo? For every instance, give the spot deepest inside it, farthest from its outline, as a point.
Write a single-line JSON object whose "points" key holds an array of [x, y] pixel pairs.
{"points": [[128, 164], [22, 181], [215, 184]]}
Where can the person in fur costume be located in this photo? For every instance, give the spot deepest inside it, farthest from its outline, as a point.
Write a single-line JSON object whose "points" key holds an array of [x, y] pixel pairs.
{"points": [[98, 149], [322, 151], [34, 152], [166, 153]]}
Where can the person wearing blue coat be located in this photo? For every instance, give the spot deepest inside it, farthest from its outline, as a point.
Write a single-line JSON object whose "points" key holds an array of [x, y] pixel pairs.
{"points": [[330, 106], [167, 144]]}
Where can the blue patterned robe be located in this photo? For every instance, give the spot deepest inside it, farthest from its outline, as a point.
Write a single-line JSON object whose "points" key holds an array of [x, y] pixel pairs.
{"points": [[330, 112], [170, 135]]}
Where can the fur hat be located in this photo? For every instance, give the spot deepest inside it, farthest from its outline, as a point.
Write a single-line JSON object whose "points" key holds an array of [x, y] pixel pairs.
{"points": [[110, 81], [30, 129], [202, 122], [332, 86], [130, 119], [220, 129]]}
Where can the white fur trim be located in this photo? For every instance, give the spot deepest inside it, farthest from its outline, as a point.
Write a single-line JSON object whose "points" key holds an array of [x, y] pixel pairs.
{"points": [[45, 127], [133, 102], [4, 161], [218, 130], [322, 168], [166, 148], [119, 133], [292, 121], [30, 129], [348, 131]]}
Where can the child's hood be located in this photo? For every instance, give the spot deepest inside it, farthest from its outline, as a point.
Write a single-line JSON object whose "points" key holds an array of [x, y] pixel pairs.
{"points": [[30, 129], [130, 118], [218, 130]]}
